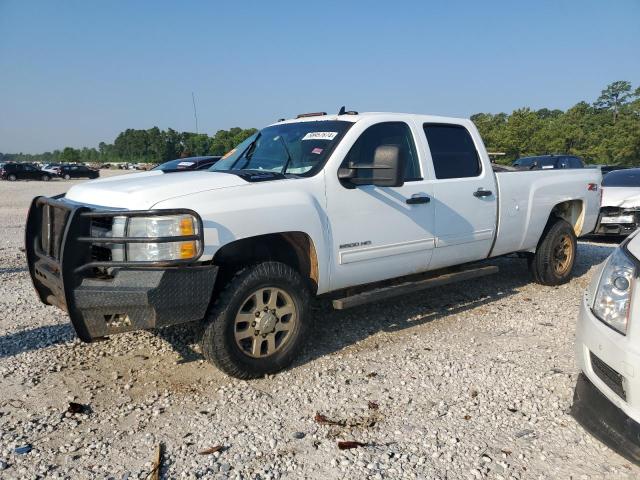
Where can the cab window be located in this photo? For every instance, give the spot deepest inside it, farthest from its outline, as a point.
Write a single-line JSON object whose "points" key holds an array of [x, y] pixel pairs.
{"points": [[453, 152], [386, 133]]}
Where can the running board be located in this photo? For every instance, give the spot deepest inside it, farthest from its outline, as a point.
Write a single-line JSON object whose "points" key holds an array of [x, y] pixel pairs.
{"points": [[384, 293]]}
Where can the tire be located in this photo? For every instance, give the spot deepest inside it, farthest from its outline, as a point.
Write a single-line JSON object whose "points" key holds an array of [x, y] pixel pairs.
{"points": [[235, 310], [553, 262], [67, 176], [45, 178], [11, 177]]}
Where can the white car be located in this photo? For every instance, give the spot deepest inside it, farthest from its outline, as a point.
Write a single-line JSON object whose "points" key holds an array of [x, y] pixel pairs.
{"points": [[607, 395], [620, 205], [52, 168], [305, 207]]}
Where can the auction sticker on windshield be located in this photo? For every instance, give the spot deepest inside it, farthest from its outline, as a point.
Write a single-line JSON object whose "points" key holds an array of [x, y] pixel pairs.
{"points": [[320, 136]]}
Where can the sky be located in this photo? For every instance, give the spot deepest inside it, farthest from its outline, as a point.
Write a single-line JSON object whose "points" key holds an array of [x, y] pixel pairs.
{"points": [[75, 73]]}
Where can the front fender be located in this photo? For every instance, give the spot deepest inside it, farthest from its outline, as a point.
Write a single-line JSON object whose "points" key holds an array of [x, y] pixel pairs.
{"points": [[290, 205]]}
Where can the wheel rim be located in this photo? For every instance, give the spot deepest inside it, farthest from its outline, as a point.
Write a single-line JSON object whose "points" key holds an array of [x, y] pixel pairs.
{"points": [[265, 322], [563, 255], [45, 178], [12, 178]]}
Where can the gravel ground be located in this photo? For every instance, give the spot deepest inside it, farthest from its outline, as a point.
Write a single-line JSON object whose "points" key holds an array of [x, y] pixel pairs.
{"points": [[467, 381]]}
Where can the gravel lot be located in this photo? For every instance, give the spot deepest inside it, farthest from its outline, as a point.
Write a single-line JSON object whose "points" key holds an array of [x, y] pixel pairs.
{"points": [[468, 381]]}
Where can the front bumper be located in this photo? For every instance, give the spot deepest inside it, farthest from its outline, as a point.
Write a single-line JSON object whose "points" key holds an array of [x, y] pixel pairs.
{"points": [[618, 228], [607, 394], [593, 410], [134, 296]]}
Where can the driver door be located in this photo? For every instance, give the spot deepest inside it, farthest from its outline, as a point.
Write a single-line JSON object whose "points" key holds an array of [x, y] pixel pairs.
{"points": [[380, 232]]}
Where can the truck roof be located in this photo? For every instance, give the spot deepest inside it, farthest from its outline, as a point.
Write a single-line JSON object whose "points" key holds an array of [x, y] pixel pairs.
{"points": [[389, 115]]}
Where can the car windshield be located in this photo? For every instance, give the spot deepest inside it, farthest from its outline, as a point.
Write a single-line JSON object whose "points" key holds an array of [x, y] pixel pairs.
{"points": [[179, 164], [541, 162], [294, 148], [622, 178]]}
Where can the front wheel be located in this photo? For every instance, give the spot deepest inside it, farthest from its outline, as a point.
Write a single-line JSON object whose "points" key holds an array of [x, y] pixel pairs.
{"points": [[552, 264], [259, 322], [11, 177], [66, 176], [46, 178]]}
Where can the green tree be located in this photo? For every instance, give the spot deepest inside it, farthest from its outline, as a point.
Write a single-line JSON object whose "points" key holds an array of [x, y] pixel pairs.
{"points": [[614, 97], [70, 155]]}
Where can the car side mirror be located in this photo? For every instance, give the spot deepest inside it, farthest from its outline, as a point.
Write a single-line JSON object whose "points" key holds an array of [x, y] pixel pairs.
{"points": [[386, 170]]}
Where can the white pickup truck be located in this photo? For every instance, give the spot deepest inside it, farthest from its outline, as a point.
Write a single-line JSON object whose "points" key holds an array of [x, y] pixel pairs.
{"points": [[317, 204]]}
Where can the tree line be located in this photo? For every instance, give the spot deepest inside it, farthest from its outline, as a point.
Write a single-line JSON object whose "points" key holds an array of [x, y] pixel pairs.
{"points": [[136, 146], [606, 131]]}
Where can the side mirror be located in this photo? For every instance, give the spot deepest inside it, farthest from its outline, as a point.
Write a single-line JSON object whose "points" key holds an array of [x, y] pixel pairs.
{"points": [[386, 170]]}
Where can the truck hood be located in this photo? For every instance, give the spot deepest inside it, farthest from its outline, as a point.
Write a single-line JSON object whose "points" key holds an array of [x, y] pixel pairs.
{"points": [[623, 197], [141, 191]]}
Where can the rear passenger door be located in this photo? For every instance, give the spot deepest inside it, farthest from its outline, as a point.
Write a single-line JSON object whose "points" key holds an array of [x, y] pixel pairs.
{"points": [[29, 172], [464, 196]]}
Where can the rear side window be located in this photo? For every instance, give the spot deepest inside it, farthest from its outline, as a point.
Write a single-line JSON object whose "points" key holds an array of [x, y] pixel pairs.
{"points": [[575, 162], [387, 133], [453, 153]]}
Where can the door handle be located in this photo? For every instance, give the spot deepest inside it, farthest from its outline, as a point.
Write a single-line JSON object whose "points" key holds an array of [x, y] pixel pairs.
{"points": [[481, 192], [418, 199]]}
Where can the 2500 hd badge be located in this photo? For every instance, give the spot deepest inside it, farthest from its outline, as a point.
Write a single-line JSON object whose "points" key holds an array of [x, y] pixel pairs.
{"points": [[355, 244]]}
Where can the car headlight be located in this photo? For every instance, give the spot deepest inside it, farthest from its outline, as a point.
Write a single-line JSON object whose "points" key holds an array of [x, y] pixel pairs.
{"points": [[156, 227], [613, 296]]}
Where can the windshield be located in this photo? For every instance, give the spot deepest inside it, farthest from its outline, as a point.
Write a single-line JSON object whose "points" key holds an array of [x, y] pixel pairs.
{"points": [[540, 161], [179, 164], [622, 178], [294, 148]]}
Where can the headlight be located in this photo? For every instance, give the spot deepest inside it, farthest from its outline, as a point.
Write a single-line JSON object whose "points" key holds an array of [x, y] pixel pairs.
{"points": [[613, 296], [162, 226]]}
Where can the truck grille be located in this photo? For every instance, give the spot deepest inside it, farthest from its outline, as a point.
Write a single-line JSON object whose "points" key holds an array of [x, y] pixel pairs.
{"points": [[608, 375], [610, 211], [52, 228], [101, 227]]}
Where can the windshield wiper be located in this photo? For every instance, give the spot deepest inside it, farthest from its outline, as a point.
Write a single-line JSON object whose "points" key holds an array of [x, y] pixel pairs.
{"points": [[248, 153], [250, 149], [286, 165]]}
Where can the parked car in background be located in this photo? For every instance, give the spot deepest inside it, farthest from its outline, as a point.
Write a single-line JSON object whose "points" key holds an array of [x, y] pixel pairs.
{"points": [[52, 168], [23, 171], [620, 204], [610, 168], [189, 163], [607, 395], [77, 171], [543, 162]]}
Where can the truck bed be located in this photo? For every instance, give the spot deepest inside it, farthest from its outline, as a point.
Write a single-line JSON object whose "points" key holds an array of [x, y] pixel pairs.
{"points": [[521, 220]]}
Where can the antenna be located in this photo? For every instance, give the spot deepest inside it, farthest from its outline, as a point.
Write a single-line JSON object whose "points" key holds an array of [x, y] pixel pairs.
{"points": [[195, 113]]}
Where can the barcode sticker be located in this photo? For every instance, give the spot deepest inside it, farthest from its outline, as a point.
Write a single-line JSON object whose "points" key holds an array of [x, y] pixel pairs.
{"points": [[320, 136]]}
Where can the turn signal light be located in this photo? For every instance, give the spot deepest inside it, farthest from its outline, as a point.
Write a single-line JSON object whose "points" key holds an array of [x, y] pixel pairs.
{"points": [[186, 226], [187, 249]]}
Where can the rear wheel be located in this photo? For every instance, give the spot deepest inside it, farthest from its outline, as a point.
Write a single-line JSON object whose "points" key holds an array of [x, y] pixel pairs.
{"points": [[259, 322], [66, 176], [46, 178], [552, 264], [11, 177]]}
